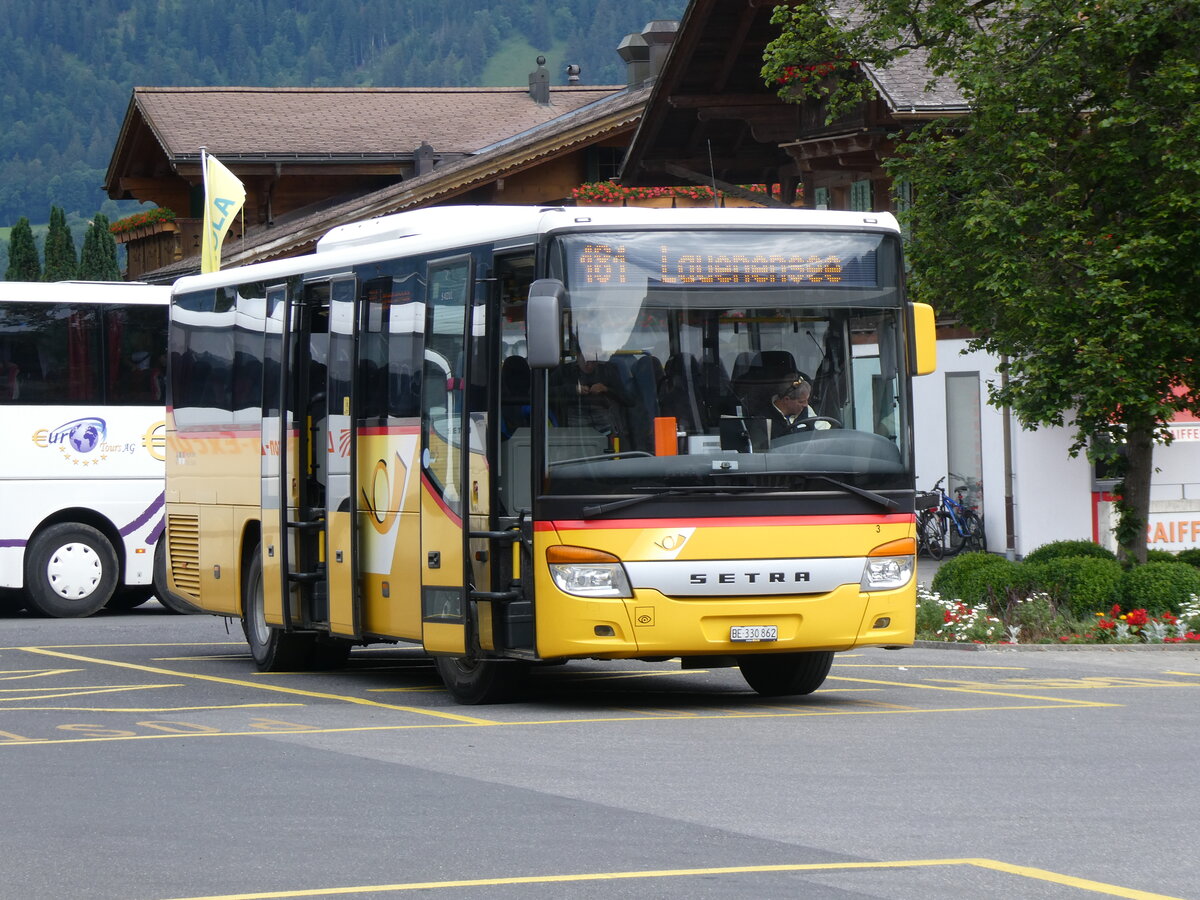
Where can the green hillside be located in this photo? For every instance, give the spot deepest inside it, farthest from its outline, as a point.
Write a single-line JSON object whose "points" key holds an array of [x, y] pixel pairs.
{"points": [[70, 65]]}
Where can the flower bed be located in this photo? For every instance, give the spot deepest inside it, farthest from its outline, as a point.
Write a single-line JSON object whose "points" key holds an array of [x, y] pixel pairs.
{"points": [[609, 192], [156, 216], [1038, 619]]}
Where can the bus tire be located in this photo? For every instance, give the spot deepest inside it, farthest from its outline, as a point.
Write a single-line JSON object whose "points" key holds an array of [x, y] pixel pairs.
{"points": [[272, 648], [70, 571], [170, 602], [780, 674], [472, 681]]}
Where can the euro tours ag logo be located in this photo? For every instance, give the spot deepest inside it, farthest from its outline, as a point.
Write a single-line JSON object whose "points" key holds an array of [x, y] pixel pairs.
{"points": [[82, 441], [85, 442]]}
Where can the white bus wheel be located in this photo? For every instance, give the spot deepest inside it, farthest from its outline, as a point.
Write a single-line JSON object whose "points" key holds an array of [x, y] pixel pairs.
{"points": [[70, 571]]}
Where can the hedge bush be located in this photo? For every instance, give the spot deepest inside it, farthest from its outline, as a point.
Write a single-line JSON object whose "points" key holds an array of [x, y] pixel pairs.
{"points": [[1159, 586], [1068, 550], [1191, 556], [1081, 584], [978, 577], [1161, 556]]}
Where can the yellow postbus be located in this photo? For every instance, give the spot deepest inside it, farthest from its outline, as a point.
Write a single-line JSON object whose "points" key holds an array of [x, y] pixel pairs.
{"points": [[516, 436]]}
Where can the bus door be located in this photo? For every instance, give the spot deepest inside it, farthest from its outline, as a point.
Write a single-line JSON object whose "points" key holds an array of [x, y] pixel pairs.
{"points": [[298, 499], [453, 470], [341, 450], [276, 492]]}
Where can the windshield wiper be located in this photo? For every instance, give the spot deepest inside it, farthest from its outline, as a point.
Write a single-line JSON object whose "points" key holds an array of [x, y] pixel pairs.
{"points": [[600, 509], [885, 502]]}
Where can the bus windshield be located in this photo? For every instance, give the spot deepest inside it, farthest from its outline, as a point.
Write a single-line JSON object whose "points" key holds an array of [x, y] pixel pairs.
{"points": [[755, 359]]}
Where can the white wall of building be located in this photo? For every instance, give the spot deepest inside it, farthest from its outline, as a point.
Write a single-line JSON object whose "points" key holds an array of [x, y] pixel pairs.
{"points": [[1052, 496]]}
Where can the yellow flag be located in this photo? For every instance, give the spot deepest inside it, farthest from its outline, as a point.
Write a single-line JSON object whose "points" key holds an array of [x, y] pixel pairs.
{"points": [[223, 197]]}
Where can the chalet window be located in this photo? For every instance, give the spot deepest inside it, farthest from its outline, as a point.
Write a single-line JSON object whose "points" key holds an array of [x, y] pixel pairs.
{"points": [[860, 196]]}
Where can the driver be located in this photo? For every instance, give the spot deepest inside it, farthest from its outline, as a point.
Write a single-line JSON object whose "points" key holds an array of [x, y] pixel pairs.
{"points": [[789, 411]]}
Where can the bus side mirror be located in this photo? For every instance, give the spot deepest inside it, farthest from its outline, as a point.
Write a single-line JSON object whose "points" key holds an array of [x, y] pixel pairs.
{"points": [[543, 323], [924, 339]]}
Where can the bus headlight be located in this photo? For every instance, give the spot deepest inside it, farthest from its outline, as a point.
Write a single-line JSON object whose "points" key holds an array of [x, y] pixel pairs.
{"points": [[587, 573], [890, 565]]}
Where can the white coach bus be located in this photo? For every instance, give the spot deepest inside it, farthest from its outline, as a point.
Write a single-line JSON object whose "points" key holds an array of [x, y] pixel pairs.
{"points": [[82, 412]]}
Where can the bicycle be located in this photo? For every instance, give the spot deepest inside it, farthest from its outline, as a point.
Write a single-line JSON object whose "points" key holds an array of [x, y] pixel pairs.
{"points": [[950, 525]]}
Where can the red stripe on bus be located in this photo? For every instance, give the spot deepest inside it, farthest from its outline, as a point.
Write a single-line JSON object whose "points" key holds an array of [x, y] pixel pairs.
{"points": [[733, 522], [390, 429], [437, 498], [204, 434]]}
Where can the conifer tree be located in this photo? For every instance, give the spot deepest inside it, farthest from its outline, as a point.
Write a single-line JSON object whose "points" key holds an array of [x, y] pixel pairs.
{"points": [[23, 263], [99, 259], [61, 263]]}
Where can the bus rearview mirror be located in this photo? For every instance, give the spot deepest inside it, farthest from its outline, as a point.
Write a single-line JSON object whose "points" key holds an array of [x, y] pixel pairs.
{"points": [[543, 323], [924, 339]]}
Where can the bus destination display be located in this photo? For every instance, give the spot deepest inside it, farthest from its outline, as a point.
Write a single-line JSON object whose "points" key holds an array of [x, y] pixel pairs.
{"points": [[670, 261]]}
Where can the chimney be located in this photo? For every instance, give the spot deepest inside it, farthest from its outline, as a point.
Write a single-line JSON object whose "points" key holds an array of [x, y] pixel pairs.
{"points": [[539, 83], [659, 35], [573, 73], [636, 53], [423, 158]]}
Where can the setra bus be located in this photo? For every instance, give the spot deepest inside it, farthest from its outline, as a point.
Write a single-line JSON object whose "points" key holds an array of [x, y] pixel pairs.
{"points": [[527, 435], [82, 390]]}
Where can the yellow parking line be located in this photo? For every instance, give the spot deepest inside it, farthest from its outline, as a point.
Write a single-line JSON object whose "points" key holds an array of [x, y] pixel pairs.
{"points": [[838, 665], [148, 709], [963, 690], [470, 720], [994, 865]]}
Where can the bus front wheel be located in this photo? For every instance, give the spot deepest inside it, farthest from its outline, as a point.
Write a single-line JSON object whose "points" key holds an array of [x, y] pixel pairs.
{"points": [[70, 571], [273, 649], [471, 680], [780, 674]]}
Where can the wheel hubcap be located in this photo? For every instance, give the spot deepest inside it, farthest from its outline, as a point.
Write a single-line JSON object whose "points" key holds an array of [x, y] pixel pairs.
{"points": [[74, 571]]}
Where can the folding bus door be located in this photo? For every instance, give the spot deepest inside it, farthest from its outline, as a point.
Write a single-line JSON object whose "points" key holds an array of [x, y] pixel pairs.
{"points": [[446, 458], [341, 449], [277, 494]]}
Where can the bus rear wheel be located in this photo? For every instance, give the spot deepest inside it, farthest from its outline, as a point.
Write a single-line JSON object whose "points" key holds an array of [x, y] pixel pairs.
{"points": [[780, 674], [471, 680], [70, 571], [273, 649]]}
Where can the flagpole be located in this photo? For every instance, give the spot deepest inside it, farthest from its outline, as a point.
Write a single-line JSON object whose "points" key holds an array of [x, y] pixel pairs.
{"points": [[204, 170]]}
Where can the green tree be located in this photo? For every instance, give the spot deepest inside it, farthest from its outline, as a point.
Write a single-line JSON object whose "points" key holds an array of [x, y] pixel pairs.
{"points": [[1070, 243], [23, 263], [98, 261], [61, 263]]}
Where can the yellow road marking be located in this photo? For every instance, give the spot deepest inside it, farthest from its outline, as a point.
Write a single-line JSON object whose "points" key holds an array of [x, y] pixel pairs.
{"points": [[838, 665], [650, 716], [139, 644], [81, 692], [995, 865], [469, 720], [938, 687], [1089, 683], [1189, 674], [18, 674], [147, 709]]}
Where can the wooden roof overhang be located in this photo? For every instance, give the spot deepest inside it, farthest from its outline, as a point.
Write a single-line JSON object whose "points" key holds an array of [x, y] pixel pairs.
{"points": [[710, 115]]}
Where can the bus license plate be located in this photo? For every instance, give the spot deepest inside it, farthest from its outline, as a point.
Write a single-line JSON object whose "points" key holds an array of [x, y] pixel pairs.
{"points": [[750, 633]]}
